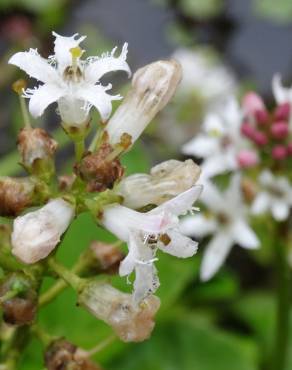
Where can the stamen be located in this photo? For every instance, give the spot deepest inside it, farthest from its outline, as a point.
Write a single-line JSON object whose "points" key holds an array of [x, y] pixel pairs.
{"points": [[19, 87], [76, 54]]}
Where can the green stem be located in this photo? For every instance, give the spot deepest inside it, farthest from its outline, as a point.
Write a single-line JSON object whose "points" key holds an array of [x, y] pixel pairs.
{"points": [[70, 277], [79, 149], [283, 301], [24, 112]]}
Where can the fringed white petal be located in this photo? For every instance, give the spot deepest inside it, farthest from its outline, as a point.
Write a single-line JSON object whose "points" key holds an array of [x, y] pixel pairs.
{"points": [[42, 97], [244, 235], [34, 65], [201, 146], [198, 225], [280, 209], [97, 67], [179, 245], [261, 203]]}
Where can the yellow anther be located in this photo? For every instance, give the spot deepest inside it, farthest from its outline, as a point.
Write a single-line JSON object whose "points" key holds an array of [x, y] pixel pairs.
{"points": [[18, 86], [76, 52]]}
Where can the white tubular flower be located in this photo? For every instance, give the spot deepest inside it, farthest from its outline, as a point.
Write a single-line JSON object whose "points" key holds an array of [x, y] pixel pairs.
{"points": [[165, 181], [282, 94], [152, 88], [275, 196], [37, 233], [226, 222], [147, 232], [220, 142], [68, 80], [132, 322]]}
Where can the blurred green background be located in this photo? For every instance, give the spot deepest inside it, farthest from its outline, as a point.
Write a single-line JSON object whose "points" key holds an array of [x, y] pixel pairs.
{"points": [[216, 325]]}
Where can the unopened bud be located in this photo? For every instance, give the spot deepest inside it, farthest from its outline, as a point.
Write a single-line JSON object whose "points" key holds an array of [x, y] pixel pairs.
{"points": [[152, 88], [107, 257], [37, 149], [260, 138], [165, 181], [64, 355], [100, 173], [19, 299], [280, 130], [279, 152], [254, 106], [15, 195], [282, 112], [289, 149], [37, 233], [247, 158], [132, 322]]}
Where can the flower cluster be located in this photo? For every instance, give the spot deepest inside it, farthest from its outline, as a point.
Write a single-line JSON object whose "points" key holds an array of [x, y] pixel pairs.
{"points": [[249, 147], [141, 210]]}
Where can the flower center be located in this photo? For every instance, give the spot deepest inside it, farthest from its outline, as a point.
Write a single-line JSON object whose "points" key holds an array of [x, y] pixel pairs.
{"points": [[73, 73]]}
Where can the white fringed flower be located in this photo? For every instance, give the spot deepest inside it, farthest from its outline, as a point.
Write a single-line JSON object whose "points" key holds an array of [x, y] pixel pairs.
{"points": [[275, 196], [37, 233], [152, 88], [220, 142], [70, 81], [225, 221], [147, 232], [165, 181]]}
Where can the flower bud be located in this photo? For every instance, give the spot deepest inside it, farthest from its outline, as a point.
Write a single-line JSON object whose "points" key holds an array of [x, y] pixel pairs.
{"points": [[247, 158], [65, 182], [130, 321], [282, 112], [37, 149], [279, 152], [100, 173], [64, 355], [247, 130], [260, 138], [19, 299], [252, 103], [165, 181], [107, 257], [289, 149], [37, 233], [15, 195], [280, 130], [152, 88]]}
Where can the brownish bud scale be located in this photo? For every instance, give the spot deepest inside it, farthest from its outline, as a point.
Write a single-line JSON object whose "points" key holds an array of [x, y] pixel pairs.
{"points": [[107, 256], [132, 322], [63, 355], [15, 195], [19, 299], [100, 173], [37, 149]]}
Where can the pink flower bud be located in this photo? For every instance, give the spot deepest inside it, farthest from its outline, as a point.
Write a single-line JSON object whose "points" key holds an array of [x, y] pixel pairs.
{"points": [[247, 130], [289, 149], [260, 138], [247, 158], [262, 117], [253, 105], [279, 152], [280, 130], [282, 112]]}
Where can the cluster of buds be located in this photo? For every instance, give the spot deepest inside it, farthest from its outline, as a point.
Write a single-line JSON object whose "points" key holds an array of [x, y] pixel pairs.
{"points": [[269, 131]]}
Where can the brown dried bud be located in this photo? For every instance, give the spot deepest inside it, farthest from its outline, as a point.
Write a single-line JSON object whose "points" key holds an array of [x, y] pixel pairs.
{"points": [[19, 299], [108, 256], [63, 355], [65, 182], [37, 149], [100, 173], [132, 322], [15, 195]]}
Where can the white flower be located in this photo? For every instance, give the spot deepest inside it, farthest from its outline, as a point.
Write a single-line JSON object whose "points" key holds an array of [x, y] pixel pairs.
{"points": [[68, 80], [147, 232], [152, 88], [220, 142], [37, 233], [202, 74], [275, 196], [165, 181], [226, 222]]}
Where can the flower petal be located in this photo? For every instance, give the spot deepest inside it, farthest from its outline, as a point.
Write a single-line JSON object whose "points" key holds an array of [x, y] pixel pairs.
{"points": [[34, 65], [129, 262], [198, 225], [282, 94], [261, 203], [179, 245], [215, 165], [201, 146], [215, 254], [42, 97], [280, 209], [146, 281], [97, 96], [244, 235], [107, 63], [62, 48]]}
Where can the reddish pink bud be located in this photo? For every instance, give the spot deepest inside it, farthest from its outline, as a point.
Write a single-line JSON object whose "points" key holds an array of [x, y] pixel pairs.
{"points": [[289, 149], [252, 103], [262, 117], [247, 130], [247, 158], [279, 152], [260, 138], [282, 112], [280, 130]]}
